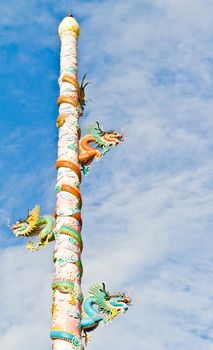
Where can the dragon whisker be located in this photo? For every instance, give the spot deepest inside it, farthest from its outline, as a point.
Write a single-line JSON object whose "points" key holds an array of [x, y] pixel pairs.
{"points": [[8, 222]]}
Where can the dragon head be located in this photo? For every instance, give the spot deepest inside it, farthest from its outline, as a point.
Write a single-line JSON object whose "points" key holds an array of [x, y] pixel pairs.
{"points": [[118, 301], [104, 139], [26, 226], [110, 304], [112, 137]]}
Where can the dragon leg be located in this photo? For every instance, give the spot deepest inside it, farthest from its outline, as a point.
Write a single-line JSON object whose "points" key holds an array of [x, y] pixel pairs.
{"points": [[87, 338], [44, 244], [31, 247]]}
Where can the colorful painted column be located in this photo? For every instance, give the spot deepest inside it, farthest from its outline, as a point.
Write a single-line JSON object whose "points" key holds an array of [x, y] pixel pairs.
{"points": [[71, 314], [67, 295]]}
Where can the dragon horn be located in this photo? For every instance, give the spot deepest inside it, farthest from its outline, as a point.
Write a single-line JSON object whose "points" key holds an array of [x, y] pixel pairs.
{"points": [[87, 83], [104, 290], [104, 287], [82, 81], [99, 128]]}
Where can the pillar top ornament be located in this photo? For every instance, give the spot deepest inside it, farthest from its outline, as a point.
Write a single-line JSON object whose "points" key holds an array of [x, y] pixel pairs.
{"points": [[68, 24]]}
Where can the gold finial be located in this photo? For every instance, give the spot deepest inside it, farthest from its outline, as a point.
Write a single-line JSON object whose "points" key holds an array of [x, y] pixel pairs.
{"points": [[69, 24]]}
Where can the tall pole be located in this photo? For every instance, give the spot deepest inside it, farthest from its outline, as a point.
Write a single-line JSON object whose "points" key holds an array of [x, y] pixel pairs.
{"points": [[71, 314], [66, 286]]}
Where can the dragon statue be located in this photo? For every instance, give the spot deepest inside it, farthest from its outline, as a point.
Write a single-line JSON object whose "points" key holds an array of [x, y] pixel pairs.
{"points": [[108, 306], [98, 306], [35, 225], [104, 141]]}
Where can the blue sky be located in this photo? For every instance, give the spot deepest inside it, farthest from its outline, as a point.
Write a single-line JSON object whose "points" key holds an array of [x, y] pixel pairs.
{"points": [[147, 204]]}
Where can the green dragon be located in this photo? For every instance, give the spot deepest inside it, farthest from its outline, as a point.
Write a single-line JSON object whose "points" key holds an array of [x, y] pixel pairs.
{"points": [[35, 225], [104, 141], [98, 306]]}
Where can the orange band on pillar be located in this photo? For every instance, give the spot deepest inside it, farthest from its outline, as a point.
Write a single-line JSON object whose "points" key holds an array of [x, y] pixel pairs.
{"points": [[68, 79], [73, 190], [67, 99], [77, 216], [61, 119], [70, 165]]}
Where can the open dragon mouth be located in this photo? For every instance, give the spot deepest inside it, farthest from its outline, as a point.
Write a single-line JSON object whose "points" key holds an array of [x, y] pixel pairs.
{"points": [[127, 300], [112, 138], [17, 225]]}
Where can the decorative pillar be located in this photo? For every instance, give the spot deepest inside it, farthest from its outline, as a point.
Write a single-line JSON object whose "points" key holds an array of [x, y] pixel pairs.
{"points": [[67, 295], [99, 306]]}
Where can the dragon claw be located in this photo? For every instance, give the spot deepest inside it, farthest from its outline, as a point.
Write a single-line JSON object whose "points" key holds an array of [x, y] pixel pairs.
{"points": [[87, 338], [44, 244], [114, 313], [29, 245]]}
